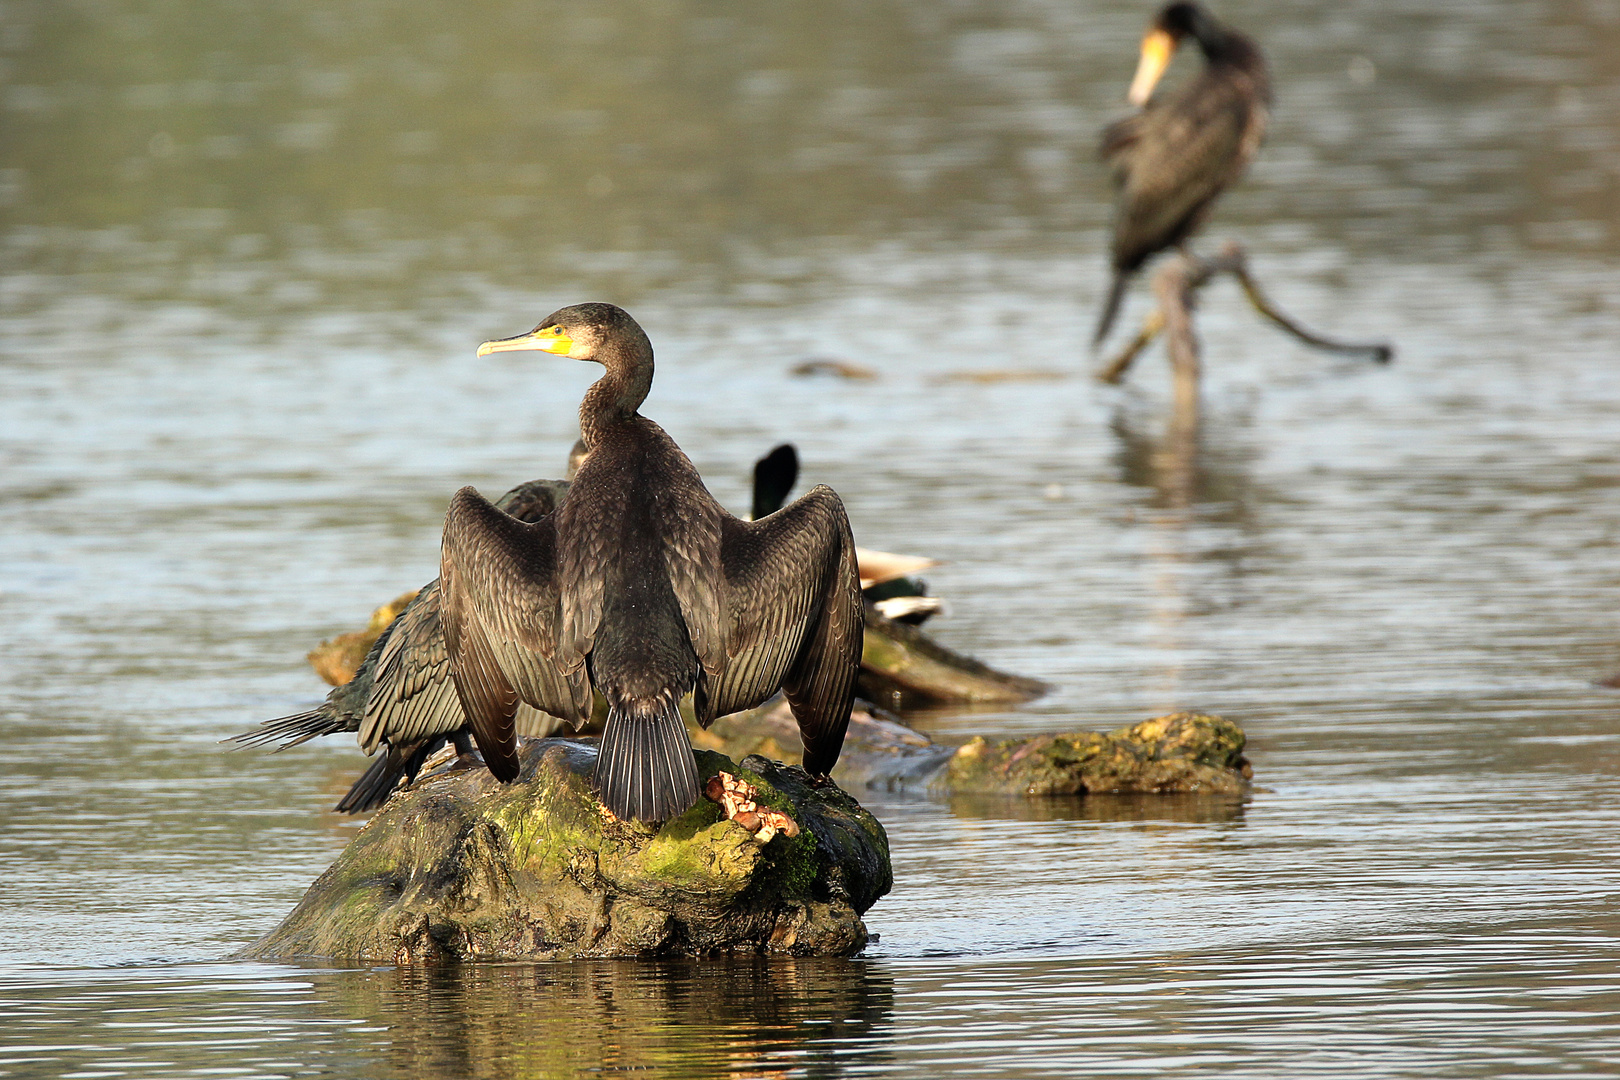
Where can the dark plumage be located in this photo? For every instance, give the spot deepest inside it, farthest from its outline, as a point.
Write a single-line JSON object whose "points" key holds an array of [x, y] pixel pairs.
{"points": [[401, 698], [644, 587], [774, 476], [418, 661], [1173, 158]]}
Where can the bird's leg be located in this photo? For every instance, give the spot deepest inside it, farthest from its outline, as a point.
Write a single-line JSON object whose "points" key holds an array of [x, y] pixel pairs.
{"points": [[466, 756], [1152, 326]]}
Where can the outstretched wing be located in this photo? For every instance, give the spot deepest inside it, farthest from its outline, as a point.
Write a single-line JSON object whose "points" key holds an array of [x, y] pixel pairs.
{"points": [[412, 697], [498, 576], [411, 694], [792, 619]]}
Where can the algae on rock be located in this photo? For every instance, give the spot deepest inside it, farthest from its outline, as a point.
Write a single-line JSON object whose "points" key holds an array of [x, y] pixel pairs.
{"points": [[463, 867], [1184, 752]]}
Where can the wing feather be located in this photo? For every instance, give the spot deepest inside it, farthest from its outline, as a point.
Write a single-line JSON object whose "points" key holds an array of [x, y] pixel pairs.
{"points": [[793, 620], [501, 615], [411, 694], [693, 556]]}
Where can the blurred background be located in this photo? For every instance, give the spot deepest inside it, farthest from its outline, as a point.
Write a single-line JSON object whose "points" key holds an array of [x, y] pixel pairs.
{"points": [[247, 251]]}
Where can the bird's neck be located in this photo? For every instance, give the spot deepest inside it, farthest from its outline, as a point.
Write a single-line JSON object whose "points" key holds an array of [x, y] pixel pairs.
{"points": [[1222, 45], [614, 398]]}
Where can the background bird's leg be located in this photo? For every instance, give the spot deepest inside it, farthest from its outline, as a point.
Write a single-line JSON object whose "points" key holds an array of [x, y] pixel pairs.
{"points": [[1151, 328], [1236, 263]]}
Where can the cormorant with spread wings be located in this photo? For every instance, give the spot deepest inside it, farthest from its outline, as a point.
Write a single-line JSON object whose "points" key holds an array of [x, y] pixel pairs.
{"points": [[643, 586]]}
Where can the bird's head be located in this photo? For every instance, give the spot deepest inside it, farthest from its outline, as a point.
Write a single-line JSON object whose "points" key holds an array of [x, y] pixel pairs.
{"points": [[1169, 26], [579, 332]]}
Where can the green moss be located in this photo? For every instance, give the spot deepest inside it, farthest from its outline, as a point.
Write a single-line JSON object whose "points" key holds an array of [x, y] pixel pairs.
{"points": [[462, 866], [1179, 752], [799, 864], [879, 652]]}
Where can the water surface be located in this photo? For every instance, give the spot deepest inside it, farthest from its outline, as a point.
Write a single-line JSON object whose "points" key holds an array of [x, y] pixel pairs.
{"points": [[247, 254]]}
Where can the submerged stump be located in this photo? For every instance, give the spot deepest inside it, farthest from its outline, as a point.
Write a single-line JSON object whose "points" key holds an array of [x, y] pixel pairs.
{"points": [[462, 867], [903, 668], [337, 659]]}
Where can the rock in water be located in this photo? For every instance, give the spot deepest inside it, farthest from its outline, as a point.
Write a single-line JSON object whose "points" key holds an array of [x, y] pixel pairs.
{"points": [[463, 867], [1184, 752], [337, 659]]}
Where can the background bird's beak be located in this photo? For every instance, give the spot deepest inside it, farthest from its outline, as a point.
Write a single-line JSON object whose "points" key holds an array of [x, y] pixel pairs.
{"points": [[551, 340], [1157, 49]]}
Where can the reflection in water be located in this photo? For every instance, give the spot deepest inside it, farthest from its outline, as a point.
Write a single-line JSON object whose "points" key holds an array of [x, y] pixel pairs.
{"points": [[1197, 488], [695, 1021], [1170, 453], [742, 1017], [1199, 809]]}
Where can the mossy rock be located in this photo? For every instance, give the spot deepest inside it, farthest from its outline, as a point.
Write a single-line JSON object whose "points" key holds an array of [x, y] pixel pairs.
{"points": [[462, 867], [337, 659], [1184, 753]]}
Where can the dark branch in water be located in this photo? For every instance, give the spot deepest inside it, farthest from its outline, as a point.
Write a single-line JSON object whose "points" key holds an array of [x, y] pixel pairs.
{"points": [[1176, 284]]}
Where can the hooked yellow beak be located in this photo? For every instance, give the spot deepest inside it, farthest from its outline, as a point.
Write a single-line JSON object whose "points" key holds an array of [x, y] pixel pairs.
{"points": [[551, 340], [1157, 49]]}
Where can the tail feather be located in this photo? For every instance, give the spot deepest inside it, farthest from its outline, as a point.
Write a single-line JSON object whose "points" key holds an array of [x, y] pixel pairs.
{"points": [[292, 730], [1116, 295], [645, 770], [378, 782]]}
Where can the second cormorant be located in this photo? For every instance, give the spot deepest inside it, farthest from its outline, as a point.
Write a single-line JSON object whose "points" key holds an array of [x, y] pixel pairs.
{"points": [[1172, 158]]}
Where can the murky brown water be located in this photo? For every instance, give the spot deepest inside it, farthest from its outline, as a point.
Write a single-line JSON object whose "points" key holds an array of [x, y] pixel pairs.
{"points": [[247, 251]]}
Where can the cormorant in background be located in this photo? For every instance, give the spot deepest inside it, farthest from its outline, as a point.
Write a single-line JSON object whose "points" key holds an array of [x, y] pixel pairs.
{"points": [[1172, 158]]}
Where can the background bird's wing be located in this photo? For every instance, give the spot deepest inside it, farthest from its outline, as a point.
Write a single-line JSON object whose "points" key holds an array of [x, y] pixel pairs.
{"points": [[501, 613], [533, 500], [774, 476], [412, 697], [1119, 137], [1176, 159], [792, 620]]}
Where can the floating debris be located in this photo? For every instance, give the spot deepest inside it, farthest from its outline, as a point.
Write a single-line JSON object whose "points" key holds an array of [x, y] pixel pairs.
{"points": [[839, 369]]}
